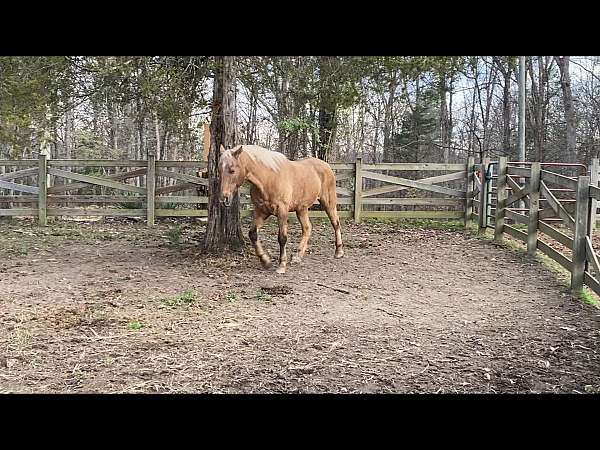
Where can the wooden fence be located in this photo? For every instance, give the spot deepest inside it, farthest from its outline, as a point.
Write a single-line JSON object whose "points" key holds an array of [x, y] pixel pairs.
{"points": [[137, 188], [558, 218]]}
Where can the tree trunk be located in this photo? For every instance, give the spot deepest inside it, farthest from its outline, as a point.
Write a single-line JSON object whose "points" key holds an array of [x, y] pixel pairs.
{"points": [[569, 108], [113, 126], [506, 112], [387, 121], [69, 133], [444, 120], [224, 225], [327, 107]]}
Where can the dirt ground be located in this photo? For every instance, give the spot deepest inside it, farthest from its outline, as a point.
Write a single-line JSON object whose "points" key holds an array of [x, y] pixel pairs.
{"points": [[111, 307]]}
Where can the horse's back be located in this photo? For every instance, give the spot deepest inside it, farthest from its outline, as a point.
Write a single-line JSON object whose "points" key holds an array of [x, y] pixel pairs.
{"points": [[321, 174], [322, 169]]}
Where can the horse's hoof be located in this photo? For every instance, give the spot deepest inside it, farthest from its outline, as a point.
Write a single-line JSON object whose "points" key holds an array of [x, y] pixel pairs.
{"points": [[296, 259], [266, 263], [339, 254], [280, 270]]}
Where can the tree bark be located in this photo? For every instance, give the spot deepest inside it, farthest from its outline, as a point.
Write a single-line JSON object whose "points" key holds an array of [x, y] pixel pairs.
{"points": [[446, 129], [327, 107], [224, 225], [388, 120], [569, 108]]}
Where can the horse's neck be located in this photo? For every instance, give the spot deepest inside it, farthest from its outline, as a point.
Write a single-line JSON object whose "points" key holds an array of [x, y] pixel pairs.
{"points": [[259, 176]]}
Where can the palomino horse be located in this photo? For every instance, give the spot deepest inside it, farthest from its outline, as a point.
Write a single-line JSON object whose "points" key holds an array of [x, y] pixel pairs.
{"points": [[280, 186]]}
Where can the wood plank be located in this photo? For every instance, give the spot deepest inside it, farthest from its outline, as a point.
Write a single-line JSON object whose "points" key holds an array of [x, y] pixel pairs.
{"points": [[18, 187], [150, 189], [95, 180], [519, 171], [343, 191], [561, 180], [534, 208], [556, 206], [435, 201], [470, 187], [42, 191], [343, 176], [57, 189], [415, 166], [54, 199], [182, 177], [518, 195], [183, 199], [517, 234], [556, 234], [96, 212], [341, 166], [394, 188], [516, 188], [18, 162], [501, 202], [358, 184], [181, 212], [581, 217], [595, 192], [414, 184], [96, 163], [592, 283], [176, 188], [19, 174], [188, 164], [520, 218], [343, 201], [414, 214], [483, 197], [591, 255], [555, 255], [594, 177], [19, 198], [19, 212]]}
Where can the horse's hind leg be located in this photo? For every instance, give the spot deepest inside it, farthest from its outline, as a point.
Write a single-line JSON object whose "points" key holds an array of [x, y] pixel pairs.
{"points": [[259, 220], [329, 205], [306, 230]]}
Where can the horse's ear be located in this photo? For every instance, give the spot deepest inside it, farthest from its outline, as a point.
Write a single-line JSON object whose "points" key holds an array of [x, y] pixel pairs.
{"points": [[238, 151], [221, 149]]}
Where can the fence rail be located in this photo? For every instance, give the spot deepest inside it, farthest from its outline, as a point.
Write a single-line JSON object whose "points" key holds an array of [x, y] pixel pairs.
{"points": [[560, 207], [150, 188]]}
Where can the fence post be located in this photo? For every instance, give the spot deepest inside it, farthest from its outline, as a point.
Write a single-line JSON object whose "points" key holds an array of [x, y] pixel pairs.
{"points": [[469, 190], [150, 189], [483, 196], [500, 197], [581, 221], [534, 208], [42, 190], [594, 175], [357, 189]]}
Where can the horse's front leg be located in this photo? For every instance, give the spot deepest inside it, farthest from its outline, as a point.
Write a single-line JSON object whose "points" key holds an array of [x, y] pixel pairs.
{"points": [[259, 220], [306, 230], [282, 217]]}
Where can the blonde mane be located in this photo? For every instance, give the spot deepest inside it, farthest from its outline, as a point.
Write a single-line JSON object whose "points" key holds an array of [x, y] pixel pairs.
{"points": [[268, 158]]}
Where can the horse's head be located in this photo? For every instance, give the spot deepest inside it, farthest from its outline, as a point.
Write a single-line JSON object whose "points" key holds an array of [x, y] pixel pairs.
{"points": [[232, 173]]}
